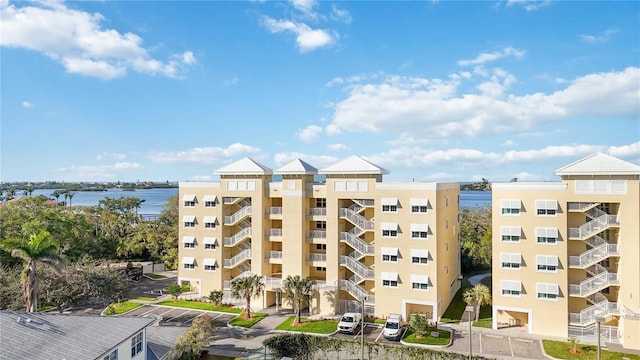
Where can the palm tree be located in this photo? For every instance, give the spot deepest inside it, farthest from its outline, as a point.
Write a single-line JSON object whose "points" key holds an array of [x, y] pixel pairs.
{"points": [[39, 249], [247, 288], [56, 194], [478, 295], [70, 197], [298, 291]]}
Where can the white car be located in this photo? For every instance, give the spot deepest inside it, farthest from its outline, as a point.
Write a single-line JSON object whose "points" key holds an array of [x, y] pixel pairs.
{"points": [[393, 327], [349, 322]]}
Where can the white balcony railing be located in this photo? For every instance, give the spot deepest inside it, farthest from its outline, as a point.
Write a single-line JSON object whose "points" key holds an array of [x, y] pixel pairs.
{"points": [[317, 257], [318, 234], [588, 334], [238, 215], [237, 237], [240, 257], [589, 314], [357, 291], [274, 210], [357, 244], [593, 227], [593, 284], [594, 255], [318, 211], [357, 267], [357, 219]]}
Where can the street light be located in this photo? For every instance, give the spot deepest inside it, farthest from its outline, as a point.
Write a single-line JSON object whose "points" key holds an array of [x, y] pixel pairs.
{"points": [[599, 320], [469, 309], [362, 328]]}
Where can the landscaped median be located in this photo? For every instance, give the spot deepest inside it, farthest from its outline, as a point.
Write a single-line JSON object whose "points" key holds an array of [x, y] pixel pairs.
{"points": [[322, 327], [434, 338], [240, 320], [120, 308], [566, 350]]}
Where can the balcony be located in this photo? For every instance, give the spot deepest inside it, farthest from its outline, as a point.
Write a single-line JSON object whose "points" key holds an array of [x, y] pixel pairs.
{"points": [[274, 212], [275, 257], [599, 282], [593, 256], [237, 237], [238, 259], [315, 258], [357, 267], [593, 227], [237, 216], [275, 235]]}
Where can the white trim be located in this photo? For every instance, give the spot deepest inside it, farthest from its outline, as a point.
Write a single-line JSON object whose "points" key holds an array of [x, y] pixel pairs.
{"points": [[389, 276], [421, 253], [188, 239], [189, 197], [209, 262], [189, 218], [419, 227], [389, 251], [433, 304], [389, 201], [419, 202], [188, 260], [389, 226]]}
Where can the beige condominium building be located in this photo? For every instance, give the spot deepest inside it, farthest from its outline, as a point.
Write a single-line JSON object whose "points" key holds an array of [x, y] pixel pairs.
{"points": [[566, 255], [392, 245]]}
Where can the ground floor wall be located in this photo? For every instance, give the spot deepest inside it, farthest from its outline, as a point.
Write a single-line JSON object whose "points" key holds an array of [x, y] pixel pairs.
{"points": [[630, 333]]}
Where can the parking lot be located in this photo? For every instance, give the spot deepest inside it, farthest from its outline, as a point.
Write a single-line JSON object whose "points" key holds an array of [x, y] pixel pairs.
{"points": [[178, 317], [372, 333], [497, 345]]}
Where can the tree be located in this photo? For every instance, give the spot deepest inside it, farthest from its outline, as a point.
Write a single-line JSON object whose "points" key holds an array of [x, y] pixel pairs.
{"points": [[475, 236], [478, 295], [174, 290], [419, 323], [198, 336], [247, 288], [39, 249], [215, 296], [298, 291]]}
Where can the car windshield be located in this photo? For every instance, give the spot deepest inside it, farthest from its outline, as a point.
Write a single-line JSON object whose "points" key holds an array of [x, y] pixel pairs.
{"points": [[391, 325], [347, 319]]}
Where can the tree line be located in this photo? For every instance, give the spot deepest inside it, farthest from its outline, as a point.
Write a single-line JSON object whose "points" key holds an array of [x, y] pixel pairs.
{"points": [[64, 252]]}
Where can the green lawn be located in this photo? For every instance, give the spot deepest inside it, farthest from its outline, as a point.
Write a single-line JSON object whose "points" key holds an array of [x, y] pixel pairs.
{"points": [[444, 337], [375, 320], [316, 327], [247, 323], [454, 312], [200, 306], [485, 317], [155, 276], [145, 298], [121, 308], [560, 350]]}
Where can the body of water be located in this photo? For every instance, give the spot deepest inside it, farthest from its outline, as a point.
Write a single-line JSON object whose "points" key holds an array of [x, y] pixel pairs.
{"points": [[154, 199]]}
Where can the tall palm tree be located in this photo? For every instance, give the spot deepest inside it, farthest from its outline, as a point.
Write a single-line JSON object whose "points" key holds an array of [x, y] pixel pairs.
{"points": [[298, 291], [70, 197], [39, 249], [478, 295], [247, 288]]}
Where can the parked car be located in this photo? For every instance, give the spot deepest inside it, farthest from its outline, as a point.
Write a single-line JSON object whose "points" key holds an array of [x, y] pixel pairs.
{"points": [[393, 327], [349, 322]]}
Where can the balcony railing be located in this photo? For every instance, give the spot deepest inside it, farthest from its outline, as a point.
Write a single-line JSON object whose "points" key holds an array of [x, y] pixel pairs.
{"points": [[237, 237], [593, 227], [589, 314], [593, 284], [272, 282], [227, 283], [275, 210], [275, 254], [318, 234], [365, 202], [357, 267], [357, 219], [238, 215], [357, 292], [240, 257], [318, 211], [594, 255], [357, 244], [589, 333], [317, 257]]}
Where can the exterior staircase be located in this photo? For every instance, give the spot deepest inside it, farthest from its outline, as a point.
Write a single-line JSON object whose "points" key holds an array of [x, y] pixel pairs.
{"points": [[362, 247], [600, 281], [601, 307], [238, 259]]}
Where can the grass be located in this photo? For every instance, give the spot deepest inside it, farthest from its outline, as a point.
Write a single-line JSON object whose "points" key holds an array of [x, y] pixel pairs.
{"points": [[454, 312], [374, 320], [198, 305], [145, 298], [155, 276], [247, 323], [560, 350], [122, 307], [316, 327], [485, 319], [443, 338], [185, 287]]}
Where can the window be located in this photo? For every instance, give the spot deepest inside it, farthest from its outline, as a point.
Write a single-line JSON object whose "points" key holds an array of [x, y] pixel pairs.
{"points": [[210, 201], [210, 243], [188, 263], [389, 230], [321, 203], [321, 268], [547, 263], [136, 344], [189, 221], [321, 246], [321, 224], [389, 205], [189, 200], [210, 222], [389, 254], [419, 231], [511, 288], [510, 261], [510, 233], [419, 205], [389, 279], [419, 256], [419, 282], [510, 207], [112, 355], [546, 207], [547, 236], [210, 264], [189, 242], [547, 291]]}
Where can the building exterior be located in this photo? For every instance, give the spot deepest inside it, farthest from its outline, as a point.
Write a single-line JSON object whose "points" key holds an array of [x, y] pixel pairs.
{"points": [[46, 336], [565, 254], [392, 245]]}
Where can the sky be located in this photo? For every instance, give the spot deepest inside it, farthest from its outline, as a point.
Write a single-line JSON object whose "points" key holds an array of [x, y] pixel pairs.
{"points": [[430, 90]]}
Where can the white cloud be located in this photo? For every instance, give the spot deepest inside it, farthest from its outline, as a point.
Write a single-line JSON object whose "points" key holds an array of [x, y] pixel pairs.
{"points": [[307, 39], [626, 151], [338, 14], [432, 108], [493, 56], [203, 155], [27, 105], [530, 5], [307, 7], [310, 133], [338, 147], [78, 41], [100, 172], [112, 156], [508, 143], [318, 161], [603, 37]]}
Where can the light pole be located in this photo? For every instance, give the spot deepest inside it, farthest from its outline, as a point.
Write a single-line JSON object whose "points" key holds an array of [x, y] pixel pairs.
{"points": [[362, 328], [599, 320], [469, 309]]}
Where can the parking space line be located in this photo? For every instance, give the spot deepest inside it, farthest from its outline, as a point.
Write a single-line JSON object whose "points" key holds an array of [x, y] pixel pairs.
{"points": [[480, 337], [177, 316], [379, 335], [510, 346], [524, 340], [193, 318], [153, 308], [494, 336]]}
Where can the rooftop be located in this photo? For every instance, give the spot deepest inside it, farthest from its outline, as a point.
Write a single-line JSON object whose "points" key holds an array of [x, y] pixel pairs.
{"points": [[599, 164]]}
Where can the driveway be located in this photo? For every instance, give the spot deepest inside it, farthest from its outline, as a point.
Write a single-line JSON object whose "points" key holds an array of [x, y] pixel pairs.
{"points": [[499, 345]]}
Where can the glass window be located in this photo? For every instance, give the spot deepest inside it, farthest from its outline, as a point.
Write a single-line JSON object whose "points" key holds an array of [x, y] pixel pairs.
{"points": [[136, 344]]}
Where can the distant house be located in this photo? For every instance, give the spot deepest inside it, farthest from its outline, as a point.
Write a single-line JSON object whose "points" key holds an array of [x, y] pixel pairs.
{"points": [[48, 336]]}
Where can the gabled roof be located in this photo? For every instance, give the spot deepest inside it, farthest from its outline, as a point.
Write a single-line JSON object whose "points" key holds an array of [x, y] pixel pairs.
{"points": [[45, 336], [297, 166], [245, 166], [353, 165], [599, 164]]}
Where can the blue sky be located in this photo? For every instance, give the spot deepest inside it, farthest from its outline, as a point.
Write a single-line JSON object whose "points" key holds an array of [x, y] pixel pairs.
{"points": [[431, 90]]}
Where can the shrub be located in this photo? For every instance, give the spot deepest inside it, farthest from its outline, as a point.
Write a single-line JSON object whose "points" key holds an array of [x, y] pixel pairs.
{"points": [[216, 296], [419, 323], [175, 290]]}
